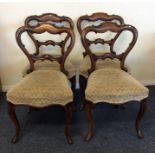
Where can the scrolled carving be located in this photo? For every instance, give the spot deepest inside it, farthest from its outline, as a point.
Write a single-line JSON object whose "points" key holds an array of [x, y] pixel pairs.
{"points": [[104, 27], [98, 16], [52, 30], [104, 17], [100, 41], [47, 18], [44, 18], [50, 42]]}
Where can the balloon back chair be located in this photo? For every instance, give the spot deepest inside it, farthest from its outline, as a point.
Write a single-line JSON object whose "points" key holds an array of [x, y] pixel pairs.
{"points": [[58, 21], [43, 88], [94, 20], [111, 85]]}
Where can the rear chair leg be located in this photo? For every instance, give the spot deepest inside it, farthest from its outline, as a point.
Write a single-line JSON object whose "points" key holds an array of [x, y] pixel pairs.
{"points": [[89, 117], [73, 86], [143, 107], [13, 117], [69, 113], [83, 83]]}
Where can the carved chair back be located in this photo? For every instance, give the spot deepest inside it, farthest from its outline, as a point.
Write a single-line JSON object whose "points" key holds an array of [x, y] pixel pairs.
{"points": [[95, 17], [99, 16], [51, 29], [103, 28], [47, 18]]}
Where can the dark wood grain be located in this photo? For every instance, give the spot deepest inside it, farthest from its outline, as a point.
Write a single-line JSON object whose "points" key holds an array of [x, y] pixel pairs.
{"points": [[104, 17]]}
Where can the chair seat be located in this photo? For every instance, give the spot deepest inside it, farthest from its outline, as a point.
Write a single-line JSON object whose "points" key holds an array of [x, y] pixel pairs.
{"points": [[41, 88], [107, 63], [114, 86], [48, 65]]}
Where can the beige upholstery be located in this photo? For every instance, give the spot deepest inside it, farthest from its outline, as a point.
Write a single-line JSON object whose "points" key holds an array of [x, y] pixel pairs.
{"points": [[114, 86], [107, 63], [46, 65], [41, 88]]}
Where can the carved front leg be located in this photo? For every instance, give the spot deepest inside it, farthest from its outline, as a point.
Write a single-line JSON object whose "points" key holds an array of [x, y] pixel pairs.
{"points": [[13, 117]]}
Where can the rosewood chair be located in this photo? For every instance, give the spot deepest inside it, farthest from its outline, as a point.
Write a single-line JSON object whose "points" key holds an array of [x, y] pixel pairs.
{"points": [[43, 88], [111, 84], [59, 21], [94, 20]]}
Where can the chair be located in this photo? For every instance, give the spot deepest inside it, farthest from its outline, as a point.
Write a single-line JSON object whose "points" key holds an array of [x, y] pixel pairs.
{"points": [[43, 88], [109, 84], [59, 21], [83, 22]]}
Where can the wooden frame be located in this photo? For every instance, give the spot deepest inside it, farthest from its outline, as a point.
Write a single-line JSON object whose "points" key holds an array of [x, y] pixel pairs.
{"points": [[108, 26], [88, 107], [52, 19], [118, 29], [47, 18], [32, 58], [104, 17]]}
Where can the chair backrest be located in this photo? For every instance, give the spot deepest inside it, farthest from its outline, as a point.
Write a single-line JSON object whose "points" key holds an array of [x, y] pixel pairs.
{"points": [[103, 17], [47, 18], [98, 16], [103, 28], [51, 29]]}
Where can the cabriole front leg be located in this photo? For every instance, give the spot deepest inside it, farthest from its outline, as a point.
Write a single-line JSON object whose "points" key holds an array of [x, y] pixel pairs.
{"points": [[13, 117], [142, 110], [83, 83], [69, 114], [89, 118]]}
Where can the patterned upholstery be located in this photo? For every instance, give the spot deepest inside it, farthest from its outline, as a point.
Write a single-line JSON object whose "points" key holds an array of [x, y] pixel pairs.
{"points": [[99, 64], [114, 86], [41, 88], [46, 65]]}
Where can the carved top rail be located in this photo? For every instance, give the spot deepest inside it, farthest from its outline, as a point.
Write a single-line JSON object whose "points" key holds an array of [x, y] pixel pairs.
{"points": [[98, 16], [47, 18], [104, 27], [104, 17], [51, 29]]}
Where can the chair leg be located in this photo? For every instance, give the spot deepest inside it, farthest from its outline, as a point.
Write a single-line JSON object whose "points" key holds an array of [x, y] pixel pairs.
{"points": [[143, 107], [69, 113], [13, 117], [83, 83], [89, 117], [73, 86]]}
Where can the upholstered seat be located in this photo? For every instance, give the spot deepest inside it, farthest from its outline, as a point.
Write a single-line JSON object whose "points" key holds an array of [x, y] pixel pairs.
{"points": [[107, 63], [41, 88], [48, 65], [114, 86]]}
